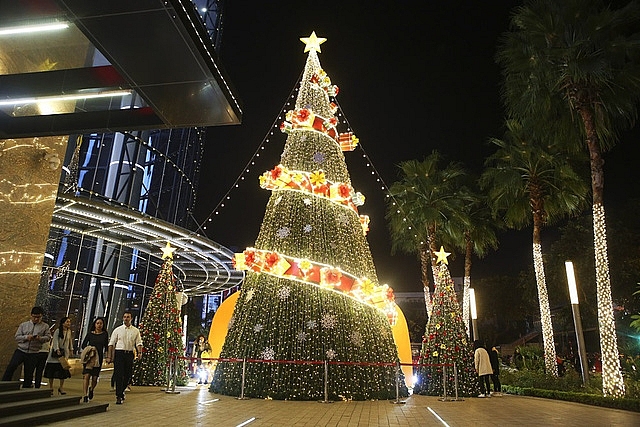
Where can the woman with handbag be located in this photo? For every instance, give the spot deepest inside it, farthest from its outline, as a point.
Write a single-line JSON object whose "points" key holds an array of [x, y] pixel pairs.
{"points": [[61, 348], [98, 338]]}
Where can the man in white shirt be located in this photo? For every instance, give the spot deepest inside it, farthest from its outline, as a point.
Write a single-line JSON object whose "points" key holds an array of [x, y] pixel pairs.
{"points": [[124, 340]]}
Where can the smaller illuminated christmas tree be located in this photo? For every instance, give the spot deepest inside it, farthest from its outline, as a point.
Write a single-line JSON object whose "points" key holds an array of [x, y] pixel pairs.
{"points": [[161, 330], [445, 342]]}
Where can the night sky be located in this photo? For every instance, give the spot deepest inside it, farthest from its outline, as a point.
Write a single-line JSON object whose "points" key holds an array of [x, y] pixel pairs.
{"points": [[414, 77]]}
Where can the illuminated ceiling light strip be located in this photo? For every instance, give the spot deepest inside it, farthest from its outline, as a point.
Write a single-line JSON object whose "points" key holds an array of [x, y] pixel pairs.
{"points": [[206, 46], [192, 259], [24, 29], [70, 97]]}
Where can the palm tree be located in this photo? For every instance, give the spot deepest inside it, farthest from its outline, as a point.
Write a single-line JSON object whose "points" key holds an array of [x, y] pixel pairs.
{"points": [[478, 232], [577, 60], [419, 207], [528, 184]]}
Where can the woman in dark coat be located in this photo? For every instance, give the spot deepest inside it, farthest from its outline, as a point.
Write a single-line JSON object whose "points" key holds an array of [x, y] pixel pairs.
{"points": [[98, 338], [494, 357]]}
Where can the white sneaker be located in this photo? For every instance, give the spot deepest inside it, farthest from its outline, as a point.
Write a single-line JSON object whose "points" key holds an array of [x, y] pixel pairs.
{"points": [[481, 395], [488, 394]]}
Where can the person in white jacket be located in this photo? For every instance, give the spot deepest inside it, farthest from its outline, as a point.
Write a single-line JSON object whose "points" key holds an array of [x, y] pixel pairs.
{"points": [[483, 368]]}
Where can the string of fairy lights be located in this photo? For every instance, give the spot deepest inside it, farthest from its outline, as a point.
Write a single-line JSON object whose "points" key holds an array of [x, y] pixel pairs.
{"points": [[252, 161]]}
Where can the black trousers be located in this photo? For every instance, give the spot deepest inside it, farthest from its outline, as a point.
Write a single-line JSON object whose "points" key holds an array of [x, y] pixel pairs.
{"points": [[20, 357], [122, 369], [41, 361], [484, 384], [495, 378]]}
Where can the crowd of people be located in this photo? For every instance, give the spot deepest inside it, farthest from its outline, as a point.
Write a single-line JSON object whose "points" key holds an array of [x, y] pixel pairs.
{"points": [[45, 354], [42, 353]]}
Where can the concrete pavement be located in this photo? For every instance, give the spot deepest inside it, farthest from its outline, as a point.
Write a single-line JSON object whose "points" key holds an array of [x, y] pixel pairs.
{"points": [[196, 406]]}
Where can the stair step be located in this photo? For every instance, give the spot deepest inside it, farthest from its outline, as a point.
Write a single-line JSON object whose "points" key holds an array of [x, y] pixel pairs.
{"points": [[10, 385], [24, 394], [54, 415], [25, 406]]}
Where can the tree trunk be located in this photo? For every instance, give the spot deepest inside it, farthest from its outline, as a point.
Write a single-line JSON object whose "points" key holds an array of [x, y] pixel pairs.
{"points": [[612, 382], [425, 261], [550, 362], [467, 279]]}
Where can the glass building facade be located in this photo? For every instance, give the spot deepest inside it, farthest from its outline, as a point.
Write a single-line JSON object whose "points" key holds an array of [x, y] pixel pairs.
{"points": [[153, 172]]}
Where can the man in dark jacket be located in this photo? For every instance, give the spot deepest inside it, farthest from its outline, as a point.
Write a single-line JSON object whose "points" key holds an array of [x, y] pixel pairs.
{"points": [[494, 357]]}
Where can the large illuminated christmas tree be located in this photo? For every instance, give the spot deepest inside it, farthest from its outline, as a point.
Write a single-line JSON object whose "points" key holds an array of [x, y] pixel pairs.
{"points": [[311, 292], [161, 330], [445, 342]]}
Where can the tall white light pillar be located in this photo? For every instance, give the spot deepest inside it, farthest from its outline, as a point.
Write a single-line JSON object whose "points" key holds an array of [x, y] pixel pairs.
{"points": [[577, 321]]}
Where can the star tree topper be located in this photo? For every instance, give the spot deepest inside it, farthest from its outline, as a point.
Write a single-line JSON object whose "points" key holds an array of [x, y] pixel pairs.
{"points": [[312, 42], [442, 256], [167, 251]]}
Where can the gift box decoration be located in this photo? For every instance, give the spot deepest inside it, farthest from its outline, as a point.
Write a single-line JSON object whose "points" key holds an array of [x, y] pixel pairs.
{"points": [[239, 262], [358, 199], [340, 191], [348, 141], [330, 277], [280, 176], [303, 117], [286, 127], [280, 266], [364, 222]]}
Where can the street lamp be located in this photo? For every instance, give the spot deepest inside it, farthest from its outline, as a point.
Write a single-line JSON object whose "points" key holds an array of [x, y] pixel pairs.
{"points": [[474, 312], [575, 308]]}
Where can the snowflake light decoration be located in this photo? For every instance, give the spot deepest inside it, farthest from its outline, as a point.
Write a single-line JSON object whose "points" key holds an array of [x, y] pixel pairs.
{"points": [[268, 354], [250, 294], [343, 219], [278, 200], [283, 292], [302, 336], [331, 354], [329, 321], [307, 201], [356, 338], [283, 232], [307, 228], [318, 157], [258, 328], [311, 324]]}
